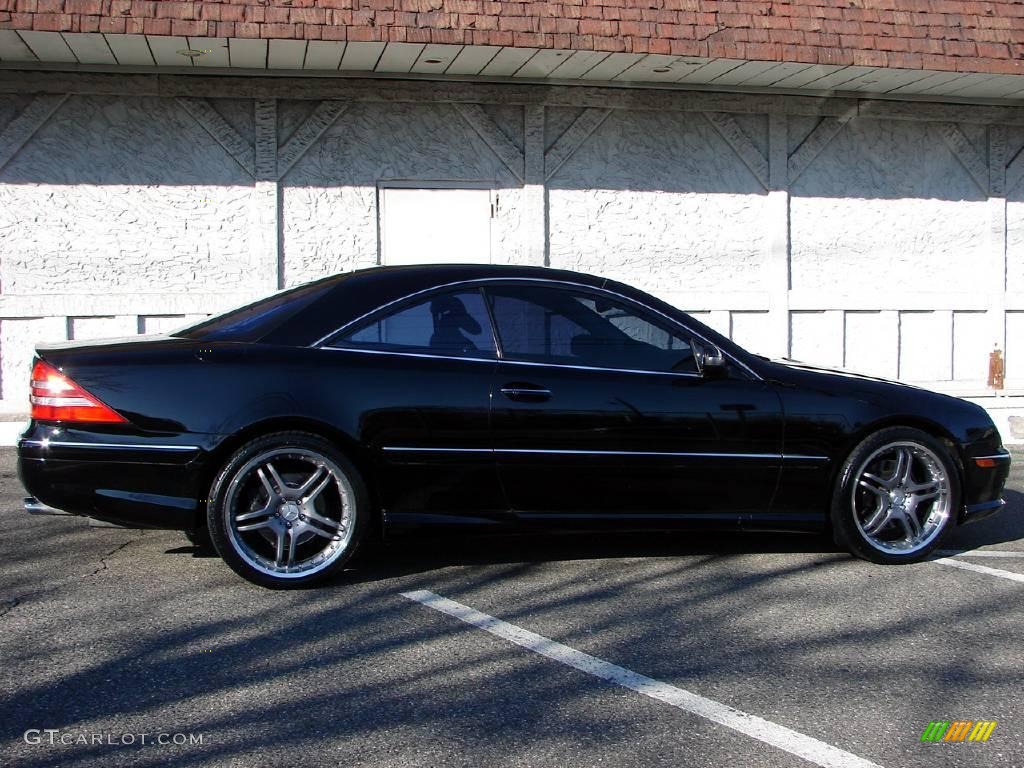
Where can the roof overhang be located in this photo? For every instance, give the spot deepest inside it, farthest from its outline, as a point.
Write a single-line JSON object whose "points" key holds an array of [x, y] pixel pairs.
{"points": [[98, 52]]}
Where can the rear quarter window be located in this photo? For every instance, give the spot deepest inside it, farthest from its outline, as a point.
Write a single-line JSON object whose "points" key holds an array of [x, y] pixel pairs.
{"points": [[254, 321]]}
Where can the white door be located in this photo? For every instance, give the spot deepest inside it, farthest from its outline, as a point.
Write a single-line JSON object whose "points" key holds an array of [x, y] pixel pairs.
{"points": [[431, 226]]}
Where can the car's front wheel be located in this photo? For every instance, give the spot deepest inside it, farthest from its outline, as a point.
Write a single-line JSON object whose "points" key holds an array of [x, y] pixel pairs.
{"points": [[896, 497], [287, 510]]}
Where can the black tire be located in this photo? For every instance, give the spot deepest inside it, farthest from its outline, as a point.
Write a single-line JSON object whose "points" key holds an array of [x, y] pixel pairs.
{"points": [[334, 521], [869, 518]]}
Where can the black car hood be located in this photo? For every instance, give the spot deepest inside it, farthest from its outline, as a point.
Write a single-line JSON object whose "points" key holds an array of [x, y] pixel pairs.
{"points": [[888, 395], [796, 365]]}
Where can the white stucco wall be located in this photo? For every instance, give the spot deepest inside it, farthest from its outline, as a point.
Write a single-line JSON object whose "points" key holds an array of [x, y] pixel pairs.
{"points": [[329, 212], [124, 214], [659, 200], [1015, 280], [887, 209], [893, 210], [123, 196]]}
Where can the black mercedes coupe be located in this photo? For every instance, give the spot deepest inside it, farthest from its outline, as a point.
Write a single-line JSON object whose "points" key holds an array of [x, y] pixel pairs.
{"points": [[487, 398]]}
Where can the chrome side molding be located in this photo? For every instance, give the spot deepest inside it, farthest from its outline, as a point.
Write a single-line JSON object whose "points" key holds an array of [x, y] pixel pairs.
{"points": [[560, 452], [48, 443]]}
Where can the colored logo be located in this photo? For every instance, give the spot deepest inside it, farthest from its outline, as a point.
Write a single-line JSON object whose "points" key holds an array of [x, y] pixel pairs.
{"points": [[958, 730]]}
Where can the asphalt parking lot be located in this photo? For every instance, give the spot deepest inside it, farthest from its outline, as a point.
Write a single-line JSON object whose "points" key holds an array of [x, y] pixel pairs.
{"points": [[593, 651]]}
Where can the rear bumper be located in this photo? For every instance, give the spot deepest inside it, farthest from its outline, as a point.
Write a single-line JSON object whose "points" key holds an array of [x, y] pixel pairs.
{"points": [[137, 480]]}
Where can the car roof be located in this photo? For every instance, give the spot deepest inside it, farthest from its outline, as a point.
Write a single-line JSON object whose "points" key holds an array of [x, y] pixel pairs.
{"points": [[354, 294], [326, 305], [431, 275]]}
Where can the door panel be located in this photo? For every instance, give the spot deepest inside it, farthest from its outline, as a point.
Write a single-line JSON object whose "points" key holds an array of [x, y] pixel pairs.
{"points": [[599, 411], [431, 436], [609, 444], [429, 366]]}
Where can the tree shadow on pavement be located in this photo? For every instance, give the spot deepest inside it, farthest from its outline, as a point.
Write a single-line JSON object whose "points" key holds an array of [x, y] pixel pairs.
{"points": [[352, 673]]}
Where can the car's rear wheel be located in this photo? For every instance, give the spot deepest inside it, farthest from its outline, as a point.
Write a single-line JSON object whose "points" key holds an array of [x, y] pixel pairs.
{"points": [[897, 496], [287, 510]]}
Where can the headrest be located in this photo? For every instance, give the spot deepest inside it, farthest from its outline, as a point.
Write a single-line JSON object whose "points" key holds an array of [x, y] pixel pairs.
{"points": [[451, 312]]}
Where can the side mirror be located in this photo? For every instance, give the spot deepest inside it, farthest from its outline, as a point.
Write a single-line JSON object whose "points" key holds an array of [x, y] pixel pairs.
{"points": [[710, 361]]}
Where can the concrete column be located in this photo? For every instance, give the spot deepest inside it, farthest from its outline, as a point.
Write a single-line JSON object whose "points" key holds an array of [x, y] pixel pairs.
{"points": [[266, 199], [535, 214], [997, 234], [778, 228]]}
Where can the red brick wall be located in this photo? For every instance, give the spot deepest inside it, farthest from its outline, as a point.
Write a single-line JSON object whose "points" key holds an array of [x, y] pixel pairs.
{"points": [[986, 36]]}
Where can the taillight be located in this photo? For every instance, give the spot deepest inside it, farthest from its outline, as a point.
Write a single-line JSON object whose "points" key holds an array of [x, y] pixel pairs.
{"points": [[55, 397]]}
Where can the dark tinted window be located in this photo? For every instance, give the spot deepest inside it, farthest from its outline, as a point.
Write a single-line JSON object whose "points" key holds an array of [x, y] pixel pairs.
{"points": [[256, 320], [554, 325], [446, 324]]}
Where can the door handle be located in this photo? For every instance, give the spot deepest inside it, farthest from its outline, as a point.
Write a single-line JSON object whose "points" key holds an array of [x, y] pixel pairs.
{"points": [[523, 392]]}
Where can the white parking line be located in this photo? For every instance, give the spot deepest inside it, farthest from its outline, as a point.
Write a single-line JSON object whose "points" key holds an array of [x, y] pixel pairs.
{"points": [[806, 747], [980, 553], [981, 569]]}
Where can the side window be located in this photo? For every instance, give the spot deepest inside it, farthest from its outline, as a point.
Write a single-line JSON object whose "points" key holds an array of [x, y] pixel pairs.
{"points": [[555, 325], [446, 324]]}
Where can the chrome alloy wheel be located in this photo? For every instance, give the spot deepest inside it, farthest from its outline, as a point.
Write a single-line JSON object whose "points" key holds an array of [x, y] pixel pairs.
{"points": [[902, 498], [289, 512]]}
